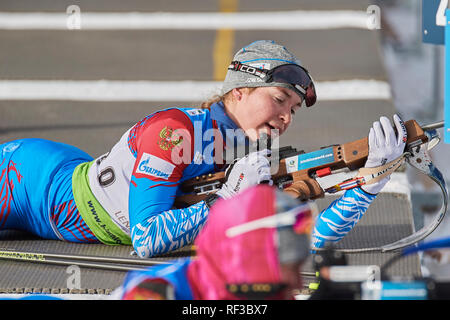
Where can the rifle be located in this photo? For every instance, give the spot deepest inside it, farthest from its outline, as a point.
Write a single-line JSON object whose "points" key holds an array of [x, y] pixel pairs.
{"points": [[298, 172]]}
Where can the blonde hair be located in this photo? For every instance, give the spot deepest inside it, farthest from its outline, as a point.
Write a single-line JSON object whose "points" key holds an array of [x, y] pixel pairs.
{"points": [[214, 99], [225, 97]]}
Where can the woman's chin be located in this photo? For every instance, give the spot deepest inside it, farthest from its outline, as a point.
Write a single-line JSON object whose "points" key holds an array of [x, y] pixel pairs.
{"points": [[265, 130]]}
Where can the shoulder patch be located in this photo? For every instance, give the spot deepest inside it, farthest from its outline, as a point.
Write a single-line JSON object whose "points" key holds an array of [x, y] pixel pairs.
{"points": [[153, 166], [195, 112], [169, 138]]}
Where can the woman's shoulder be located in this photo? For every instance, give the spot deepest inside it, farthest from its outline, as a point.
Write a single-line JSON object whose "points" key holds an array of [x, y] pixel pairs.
{"points": [[179, 113], [164, 122], [194, 113]]}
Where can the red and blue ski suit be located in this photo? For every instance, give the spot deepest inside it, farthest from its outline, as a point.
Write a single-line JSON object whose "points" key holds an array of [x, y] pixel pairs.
{"points": [[126, 196]]}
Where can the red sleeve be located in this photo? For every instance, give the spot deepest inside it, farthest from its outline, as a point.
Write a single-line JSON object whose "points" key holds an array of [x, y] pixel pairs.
{"points": [[164, 146]]}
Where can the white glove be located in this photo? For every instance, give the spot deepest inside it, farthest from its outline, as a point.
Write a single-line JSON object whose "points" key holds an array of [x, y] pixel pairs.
{"points": [[384, 146], [248, 171]]}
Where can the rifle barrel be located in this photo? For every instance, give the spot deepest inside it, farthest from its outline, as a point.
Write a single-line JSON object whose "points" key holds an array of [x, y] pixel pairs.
{"points": [[435, 125]]}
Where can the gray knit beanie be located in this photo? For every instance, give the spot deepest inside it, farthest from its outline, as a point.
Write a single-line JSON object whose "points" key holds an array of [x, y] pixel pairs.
{"points": [[264, 54]]}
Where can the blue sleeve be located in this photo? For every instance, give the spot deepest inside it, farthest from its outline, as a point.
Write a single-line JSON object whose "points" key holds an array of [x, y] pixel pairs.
{"points": [[155, 227], [156, 230], [340, 217]]}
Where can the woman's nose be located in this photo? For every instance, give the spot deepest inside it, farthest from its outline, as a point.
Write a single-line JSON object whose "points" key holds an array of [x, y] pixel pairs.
{"points": [[286, 117]]}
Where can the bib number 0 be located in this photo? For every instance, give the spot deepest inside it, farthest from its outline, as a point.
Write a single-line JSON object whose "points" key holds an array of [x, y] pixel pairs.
{"points": [[106, 177]]}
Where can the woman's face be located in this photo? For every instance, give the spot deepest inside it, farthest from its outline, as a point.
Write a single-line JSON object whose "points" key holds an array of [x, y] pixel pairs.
{"points": [[265, 110]]}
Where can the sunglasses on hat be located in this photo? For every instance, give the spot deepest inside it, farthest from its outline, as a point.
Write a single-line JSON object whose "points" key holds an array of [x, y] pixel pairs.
{"points": [[301, 218], [292, 74]]}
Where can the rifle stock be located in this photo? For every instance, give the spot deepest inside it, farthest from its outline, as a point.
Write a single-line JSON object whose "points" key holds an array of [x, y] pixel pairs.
{"points": [[297, 172]]}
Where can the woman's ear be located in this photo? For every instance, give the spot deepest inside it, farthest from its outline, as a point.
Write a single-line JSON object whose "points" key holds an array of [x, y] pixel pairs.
{"points": [[237, 94]]}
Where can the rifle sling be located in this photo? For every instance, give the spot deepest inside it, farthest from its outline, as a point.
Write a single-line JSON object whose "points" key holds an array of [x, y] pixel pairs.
{"points": [[373, 175], [368, 175]]}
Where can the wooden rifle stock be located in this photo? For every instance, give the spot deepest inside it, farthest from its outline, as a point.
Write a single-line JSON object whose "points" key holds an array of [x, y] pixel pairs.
{"points": [[297, 171]]}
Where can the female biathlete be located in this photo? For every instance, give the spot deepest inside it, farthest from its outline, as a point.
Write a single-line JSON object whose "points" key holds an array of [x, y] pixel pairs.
{"points": [[126, 196]]}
